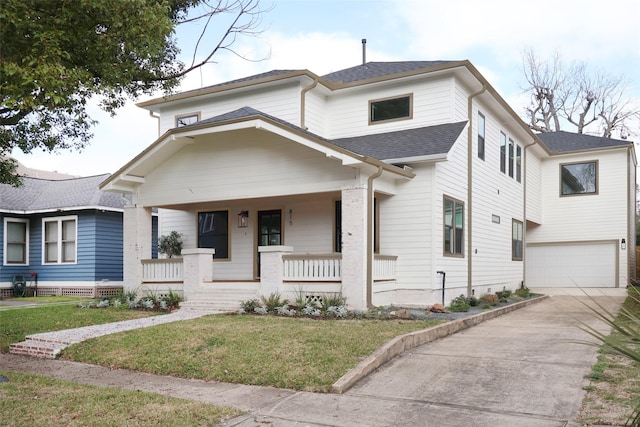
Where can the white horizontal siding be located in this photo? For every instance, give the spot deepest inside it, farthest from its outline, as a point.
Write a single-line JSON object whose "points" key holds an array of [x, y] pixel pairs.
{"points": [[533, 174], [244, 164]]}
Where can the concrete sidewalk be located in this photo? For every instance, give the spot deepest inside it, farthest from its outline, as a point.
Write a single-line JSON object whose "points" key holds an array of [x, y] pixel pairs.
{"points": [[521, 369]]}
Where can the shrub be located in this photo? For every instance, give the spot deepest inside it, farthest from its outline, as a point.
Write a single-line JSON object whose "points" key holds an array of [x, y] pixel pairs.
{"points": [[249, 306], [523, 292], [459, 304], [332, 300], [489, 299], [272, 302], [171, 300], [338, 311], [503, 296]]}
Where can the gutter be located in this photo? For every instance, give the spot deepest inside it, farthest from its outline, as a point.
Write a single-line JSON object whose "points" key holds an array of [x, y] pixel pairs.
{"points": [[303, 102], [370, 227], [470, 186]]}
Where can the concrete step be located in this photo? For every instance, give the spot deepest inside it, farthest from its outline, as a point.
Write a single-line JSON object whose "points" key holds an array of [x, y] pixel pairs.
{"points": [[38, 348], [226, 299]]}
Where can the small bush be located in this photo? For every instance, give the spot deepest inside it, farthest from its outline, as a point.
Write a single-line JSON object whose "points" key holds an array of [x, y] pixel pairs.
{"points": [[489, 299], [272, 302], [249, 306], [523, 292], [171, 300], [503, 296], [459, 304], [332, 300]]}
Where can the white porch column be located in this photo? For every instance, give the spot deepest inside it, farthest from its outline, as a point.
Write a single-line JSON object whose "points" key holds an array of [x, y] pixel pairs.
{"points": [[137, 243], [354, 246], [197, 268], [271, 269]]}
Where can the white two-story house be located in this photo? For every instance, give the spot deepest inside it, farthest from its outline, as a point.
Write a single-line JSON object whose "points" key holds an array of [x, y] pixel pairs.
{"points": [[404, 183]]}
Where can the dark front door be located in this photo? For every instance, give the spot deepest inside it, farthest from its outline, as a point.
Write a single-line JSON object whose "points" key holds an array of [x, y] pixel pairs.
{"points": [[269, 230]]}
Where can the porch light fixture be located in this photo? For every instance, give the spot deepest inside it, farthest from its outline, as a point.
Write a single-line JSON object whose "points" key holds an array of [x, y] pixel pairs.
{"points": [[243, 219], [623, 244]]}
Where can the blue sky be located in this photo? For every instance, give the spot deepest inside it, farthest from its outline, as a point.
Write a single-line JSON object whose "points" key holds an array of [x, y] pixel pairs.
{"points": [[324, 36]]}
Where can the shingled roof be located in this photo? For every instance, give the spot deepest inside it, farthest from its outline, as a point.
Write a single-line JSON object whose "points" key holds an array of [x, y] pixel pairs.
{"points": [[44, 195], [402, 144], [563, 142], [372, 70]]}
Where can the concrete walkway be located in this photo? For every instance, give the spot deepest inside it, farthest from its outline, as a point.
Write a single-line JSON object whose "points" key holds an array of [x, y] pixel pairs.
{"points": [[520, 369]]}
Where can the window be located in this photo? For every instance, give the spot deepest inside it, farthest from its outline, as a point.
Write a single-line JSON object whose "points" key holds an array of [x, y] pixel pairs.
{"points": [[59, 240], [16, 241], [518, 163], [213, 232], [511, 157], [186, 120], [480, 136], [503, 152], [382, 110], [579, 178], [453, 227], [516, 240]]}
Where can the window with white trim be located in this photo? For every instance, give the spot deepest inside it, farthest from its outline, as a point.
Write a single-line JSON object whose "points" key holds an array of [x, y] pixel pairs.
{"points": [[511, 157], [503, 152], [16, 241], [518, 163], [59, 242], [579, 178]]}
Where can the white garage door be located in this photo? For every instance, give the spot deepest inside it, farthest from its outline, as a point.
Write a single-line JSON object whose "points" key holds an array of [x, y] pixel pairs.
{"points": [[571, 265]]}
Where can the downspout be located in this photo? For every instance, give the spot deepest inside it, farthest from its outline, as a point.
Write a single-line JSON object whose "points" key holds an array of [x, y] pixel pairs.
{"points": [[524, 211], [469, 186], [303, 103], [370, 227], [157, 118]]}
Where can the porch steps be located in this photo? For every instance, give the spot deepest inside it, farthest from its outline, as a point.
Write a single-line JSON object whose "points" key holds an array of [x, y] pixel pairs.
{"points": [[219, 299], [36, 347]]}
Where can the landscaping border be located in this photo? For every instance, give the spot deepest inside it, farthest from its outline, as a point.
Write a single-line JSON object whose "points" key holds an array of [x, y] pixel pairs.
{"points": [[402, 343]]}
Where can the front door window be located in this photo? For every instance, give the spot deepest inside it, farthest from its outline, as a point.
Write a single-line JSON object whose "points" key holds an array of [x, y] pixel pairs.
{"points": [[269, 230]]}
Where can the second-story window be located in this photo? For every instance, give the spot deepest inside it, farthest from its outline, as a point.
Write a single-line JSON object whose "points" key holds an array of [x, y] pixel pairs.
{"points": [[186, 120], [480, 136], [518, 163], [511, 157], [388, 109], [503, 152]]}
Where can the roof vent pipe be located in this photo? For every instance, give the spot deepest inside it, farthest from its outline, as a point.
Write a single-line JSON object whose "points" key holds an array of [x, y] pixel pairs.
{"points": [[364, 51]]}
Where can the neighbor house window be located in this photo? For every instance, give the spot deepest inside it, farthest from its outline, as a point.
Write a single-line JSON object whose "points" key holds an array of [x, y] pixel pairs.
{"points": [[453, 227], [503, 152], [60, 240], [213, 232], [480, 136], [516, 240], [518, 163], [579, 178], [187, 119], [382, 110], [511, 157], [16, 241]]}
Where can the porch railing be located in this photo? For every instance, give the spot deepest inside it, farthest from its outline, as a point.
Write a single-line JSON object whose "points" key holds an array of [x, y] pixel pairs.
{"points": [[162, 270], [312, 268], [328, 268]]}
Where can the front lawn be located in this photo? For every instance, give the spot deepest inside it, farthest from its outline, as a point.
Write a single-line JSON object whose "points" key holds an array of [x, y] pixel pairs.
{"points": [[17, 323], [296, 353], [35, 400]]}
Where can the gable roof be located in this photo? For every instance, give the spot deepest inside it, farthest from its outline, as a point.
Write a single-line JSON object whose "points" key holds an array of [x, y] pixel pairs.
{"points": [[565, 142], [394, 145], [43, 195]]}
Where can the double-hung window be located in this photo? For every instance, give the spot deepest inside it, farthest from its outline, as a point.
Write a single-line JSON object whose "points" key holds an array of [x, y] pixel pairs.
{"points": [[480, 136], [213, 232], [511, 157], [453, 227], [518, 163], [503, 152], [16, 241], [516, 240], [60, 240]]}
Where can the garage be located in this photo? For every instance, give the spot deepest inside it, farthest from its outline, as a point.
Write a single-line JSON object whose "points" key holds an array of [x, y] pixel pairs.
{"points": [[592, 264]]}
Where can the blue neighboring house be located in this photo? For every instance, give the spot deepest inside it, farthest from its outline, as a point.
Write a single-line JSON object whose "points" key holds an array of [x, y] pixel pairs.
{"points": [[65, 233]]}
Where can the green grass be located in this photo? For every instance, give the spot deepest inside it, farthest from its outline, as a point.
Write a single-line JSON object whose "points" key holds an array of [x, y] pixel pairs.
{"points": [[614, 392], [302, 354], [51, 299], [34, 400], [18, 323]]}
